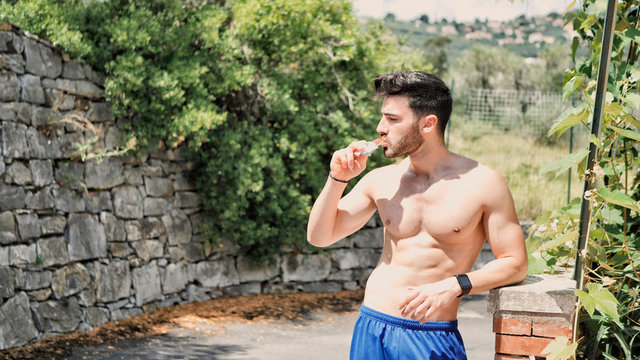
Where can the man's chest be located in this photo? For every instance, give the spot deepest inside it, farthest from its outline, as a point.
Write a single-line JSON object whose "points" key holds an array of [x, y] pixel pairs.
{"points": [[447, 210]]}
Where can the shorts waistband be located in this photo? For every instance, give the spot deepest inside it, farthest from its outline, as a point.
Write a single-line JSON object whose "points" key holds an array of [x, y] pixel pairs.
{"points": [[408, 324]]}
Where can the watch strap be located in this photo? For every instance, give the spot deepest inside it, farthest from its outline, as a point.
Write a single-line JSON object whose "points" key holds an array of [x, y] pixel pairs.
{"points": [[465, 284]]}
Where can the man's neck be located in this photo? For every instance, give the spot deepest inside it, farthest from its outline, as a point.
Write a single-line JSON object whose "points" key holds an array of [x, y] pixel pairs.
{"points": [[430, 159]]}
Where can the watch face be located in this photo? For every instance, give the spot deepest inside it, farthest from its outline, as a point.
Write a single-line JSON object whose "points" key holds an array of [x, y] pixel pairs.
{"points": [[464, 282]]}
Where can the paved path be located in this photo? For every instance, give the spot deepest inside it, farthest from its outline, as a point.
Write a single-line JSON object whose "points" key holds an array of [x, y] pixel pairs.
{"points": [[322, 335]]}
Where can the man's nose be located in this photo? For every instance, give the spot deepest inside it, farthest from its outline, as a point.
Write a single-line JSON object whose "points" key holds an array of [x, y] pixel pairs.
{"points": [[383, 127]]}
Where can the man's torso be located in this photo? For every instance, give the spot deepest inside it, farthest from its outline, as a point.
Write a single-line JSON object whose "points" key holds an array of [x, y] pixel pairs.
{"points": [[432, 230]]}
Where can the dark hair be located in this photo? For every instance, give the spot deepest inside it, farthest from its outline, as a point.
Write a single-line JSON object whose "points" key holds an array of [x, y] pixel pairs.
{"points": [[427, 93]]}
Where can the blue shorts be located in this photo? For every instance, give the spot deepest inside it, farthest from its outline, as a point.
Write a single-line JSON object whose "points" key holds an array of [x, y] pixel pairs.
{"points": [[381, 336]]}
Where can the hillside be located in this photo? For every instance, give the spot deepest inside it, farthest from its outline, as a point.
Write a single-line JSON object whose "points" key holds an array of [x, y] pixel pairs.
{"points": [[525, 36]]}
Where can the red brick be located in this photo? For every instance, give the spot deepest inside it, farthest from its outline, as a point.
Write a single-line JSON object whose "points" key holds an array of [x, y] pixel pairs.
{"points": [[511, 326], [520, 345], [510, 357], [551, 330]]}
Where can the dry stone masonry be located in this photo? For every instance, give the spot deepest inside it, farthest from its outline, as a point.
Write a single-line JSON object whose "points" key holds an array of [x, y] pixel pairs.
{"points": [[84, 243], [87, 242]]}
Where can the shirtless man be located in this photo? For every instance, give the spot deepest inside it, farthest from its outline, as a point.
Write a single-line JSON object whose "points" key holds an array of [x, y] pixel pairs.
{"points": [[437, 208]]}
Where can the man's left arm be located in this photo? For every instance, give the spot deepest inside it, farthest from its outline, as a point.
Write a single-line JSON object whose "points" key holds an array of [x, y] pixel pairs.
{"points": [[505, 237]]}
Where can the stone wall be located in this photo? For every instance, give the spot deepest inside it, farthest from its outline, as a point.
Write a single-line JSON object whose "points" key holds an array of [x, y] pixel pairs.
{"points": [[86, 242]]}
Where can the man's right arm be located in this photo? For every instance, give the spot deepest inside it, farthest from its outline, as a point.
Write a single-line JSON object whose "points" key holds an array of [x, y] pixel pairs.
{"points": [[333, 218]]}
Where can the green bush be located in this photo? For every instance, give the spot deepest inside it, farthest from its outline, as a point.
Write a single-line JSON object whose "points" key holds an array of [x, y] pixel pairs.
{"points": [[260, 92]]}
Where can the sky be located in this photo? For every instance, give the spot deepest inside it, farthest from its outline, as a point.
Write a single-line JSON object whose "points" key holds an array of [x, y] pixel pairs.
{"points": [[458, 10]]}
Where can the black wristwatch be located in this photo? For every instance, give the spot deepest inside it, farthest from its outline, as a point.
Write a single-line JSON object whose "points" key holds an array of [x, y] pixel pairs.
{"points": [[465, 284]]}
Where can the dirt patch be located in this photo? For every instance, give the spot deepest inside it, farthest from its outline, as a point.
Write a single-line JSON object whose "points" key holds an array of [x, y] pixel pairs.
{"points": [[252, 308]]}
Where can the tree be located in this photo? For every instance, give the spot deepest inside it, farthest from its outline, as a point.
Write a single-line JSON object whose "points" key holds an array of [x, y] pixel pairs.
{"points": [[424, 18], [258, 92], [435, 49], [390, 17]]}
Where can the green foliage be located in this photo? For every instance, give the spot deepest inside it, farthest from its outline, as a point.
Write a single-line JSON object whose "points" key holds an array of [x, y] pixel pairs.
{"points": [[260, 92], [609, 314]]}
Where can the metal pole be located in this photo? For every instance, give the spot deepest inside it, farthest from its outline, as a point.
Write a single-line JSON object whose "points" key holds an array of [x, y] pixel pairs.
{"points": [[569, 178], [601, 90]]}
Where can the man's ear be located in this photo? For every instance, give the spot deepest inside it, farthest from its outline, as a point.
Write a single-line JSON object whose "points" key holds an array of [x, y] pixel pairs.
{"points": [[429, 123]]}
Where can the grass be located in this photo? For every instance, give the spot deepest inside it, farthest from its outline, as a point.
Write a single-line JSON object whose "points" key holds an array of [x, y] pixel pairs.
{"points": [[519, 158]]}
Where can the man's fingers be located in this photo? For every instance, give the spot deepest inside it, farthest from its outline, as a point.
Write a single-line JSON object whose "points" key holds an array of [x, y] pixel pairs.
{"points": [[412, 295]]}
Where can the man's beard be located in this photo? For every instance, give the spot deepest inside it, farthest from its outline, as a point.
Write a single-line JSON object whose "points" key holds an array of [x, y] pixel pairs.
{"points": [[407, 145]]}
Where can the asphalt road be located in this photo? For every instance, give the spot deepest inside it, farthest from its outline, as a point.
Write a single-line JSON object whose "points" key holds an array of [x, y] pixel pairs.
{"points": [[319, 336]]}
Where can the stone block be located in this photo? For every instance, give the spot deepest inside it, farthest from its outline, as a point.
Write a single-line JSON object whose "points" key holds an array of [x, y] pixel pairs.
{"points": [[57, 316], [53, 251], [73, 70], [148, 249], [105, 174], [113, 281], [155, 206], [31, 89], [158, 187], [151, 227], [58, 100], [16, 324], [127, 203], [52, 225], [113, 138], [42, 146], [9, 87], [35, 280], [553, 294], [13, 197], [39, 295], [175, 278], [11, 43], [133, 176], [24, 113], [22, 254], [12, 62], [70, 174], [85, 237], [40, 200], [68, 200], [99, 112], [7, 286], [186, 199], [4, 256], [218, 273], [355, 258], [80, 87], [18, 173], [323, 287], [119, 249], [98, 201], [133, 229], [178, 227], [70, 280], [41, 172], [114, 229], [369, 238], [146, 282], [307, 268], [248, 271], [28, 226], [14, 139], [69, 145], [247, 289], [7, 113], [182, 182], [120, 314], [8, 234], [96, 316], [41, 60]]}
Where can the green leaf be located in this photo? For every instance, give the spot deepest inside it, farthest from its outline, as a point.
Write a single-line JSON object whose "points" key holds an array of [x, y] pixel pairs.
{"points": [[570, 117], [560, 349], [604, 300], [633, 100], [631, 34], [626, 132], [612, 216], [565, 163], [618, 198], [586, 300]]}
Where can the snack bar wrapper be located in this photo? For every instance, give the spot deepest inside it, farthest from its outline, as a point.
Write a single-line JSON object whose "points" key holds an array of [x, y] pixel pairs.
{"points": [[370, 147]]}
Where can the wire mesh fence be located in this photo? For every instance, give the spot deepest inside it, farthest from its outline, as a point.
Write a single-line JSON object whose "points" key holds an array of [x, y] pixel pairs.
{"points": [[528, 113]]}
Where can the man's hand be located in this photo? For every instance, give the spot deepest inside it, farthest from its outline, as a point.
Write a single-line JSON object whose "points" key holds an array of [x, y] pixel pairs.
{"points": [[425, 301], [345, 165]]}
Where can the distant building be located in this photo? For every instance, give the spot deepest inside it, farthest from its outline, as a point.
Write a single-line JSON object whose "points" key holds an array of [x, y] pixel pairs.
{"points": [[478, 35], [449, 30]]}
